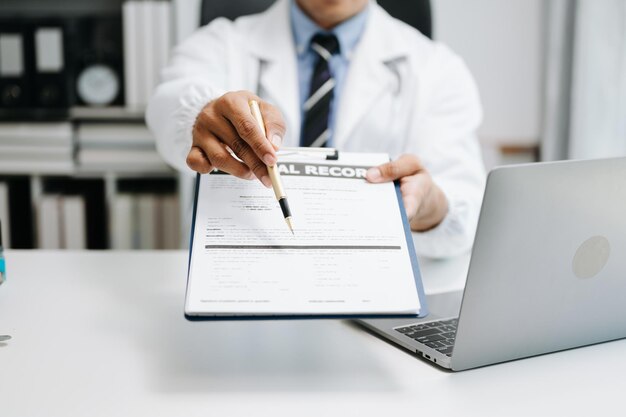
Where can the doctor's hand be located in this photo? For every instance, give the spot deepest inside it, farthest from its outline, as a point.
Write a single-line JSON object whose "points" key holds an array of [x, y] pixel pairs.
{"points": [[425, 203], [226, 123]]}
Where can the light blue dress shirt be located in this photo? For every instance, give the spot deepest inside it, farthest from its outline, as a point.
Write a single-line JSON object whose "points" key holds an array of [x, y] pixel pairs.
{"points": [[348, 34]]}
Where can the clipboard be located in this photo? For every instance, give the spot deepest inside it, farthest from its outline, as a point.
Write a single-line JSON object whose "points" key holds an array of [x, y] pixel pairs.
{"points": [[322, 154]]}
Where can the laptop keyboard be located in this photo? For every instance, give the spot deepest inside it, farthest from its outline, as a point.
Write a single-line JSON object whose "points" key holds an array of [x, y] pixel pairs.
{"points": [[438, 335]]}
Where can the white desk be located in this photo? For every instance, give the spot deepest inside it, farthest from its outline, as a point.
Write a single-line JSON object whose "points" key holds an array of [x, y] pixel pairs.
{"points": [[103, 334]]}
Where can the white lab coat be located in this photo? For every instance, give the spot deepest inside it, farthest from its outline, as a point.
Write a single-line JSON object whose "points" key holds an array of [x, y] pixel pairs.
{"points": [[403, 94]]}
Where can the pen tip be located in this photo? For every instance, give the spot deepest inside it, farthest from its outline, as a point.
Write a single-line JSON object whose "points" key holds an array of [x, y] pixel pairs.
{"points": [[288, 220]]}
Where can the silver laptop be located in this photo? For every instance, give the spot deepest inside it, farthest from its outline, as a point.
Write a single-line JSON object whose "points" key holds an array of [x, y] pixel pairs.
{"points": [[547, 272]]}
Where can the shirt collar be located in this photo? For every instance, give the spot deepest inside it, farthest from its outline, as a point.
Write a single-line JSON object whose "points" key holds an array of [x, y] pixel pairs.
{"points": [[348, 33]]}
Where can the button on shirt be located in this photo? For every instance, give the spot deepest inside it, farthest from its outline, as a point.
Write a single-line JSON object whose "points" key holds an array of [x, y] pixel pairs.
{"points": [[348, 34]]}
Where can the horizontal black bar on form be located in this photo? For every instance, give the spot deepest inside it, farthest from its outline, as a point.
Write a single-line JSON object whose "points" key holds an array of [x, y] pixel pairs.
{"points": [[300, 247]]}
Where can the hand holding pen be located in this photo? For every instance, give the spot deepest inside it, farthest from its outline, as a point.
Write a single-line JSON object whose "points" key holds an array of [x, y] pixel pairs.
{"points": [[227, 123], [236, 135]]}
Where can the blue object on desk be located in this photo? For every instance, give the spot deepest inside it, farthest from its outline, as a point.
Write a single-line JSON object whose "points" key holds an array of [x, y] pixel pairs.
{"points": [[3, 271]]}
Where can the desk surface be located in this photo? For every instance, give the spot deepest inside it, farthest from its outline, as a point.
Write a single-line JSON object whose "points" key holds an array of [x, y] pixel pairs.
{"points": [[103, 334]]}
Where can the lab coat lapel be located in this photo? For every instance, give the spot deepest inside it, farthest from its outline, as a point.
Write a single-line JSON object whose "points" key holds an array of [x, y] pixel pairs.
{"points": [[272, 44], [368, 75]]}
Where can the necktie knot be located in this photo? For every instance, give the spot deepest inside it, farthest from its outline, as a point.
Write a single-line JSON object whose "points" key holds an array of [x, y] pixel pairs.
{"points": [[326, 45]]}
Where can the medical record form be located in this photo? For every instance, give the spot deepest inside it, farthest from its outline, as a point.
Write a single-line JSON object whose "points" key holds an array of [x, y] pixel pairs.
{"points": [[351, 254]]}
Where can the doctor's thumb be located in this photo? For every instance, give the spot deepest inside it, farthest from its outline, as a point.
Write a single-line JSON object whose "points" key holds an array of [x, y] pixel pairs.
{"points": [[383, 173], [402, 167], [374, 175]]}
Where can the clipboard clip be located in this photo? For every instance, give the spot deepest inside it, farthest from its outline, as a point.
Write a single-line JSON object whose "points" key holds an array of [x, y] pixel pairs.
{"points": [[329, 154]]}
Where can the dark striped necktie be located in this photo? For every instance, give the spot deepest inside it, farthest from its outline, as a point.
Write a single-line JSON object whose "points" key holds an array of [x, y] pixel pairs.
{"points": [[315, 129]]}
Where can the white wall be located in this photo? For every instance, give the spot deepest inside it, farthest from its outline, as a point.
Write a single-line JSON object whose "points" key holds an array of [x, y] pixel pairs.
{"points": [[502, 43], [598, 111]]}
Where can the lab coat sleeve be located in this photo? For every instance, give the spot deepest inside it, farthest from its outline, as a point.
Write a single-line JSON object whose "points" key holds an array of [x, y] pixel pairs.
{"points": [[447, 143], [196, 74]]}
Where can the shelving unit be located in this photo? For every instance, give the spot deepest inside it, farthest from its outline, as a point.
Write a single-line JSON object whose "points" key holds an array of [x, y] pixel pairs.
{"points": [[26, 185], [67, 169], [99, 187]]}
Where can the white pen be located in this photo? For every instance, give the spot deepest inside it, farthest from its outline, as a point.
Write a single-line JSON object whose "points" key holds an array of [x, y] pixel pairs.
{"points": [[273, 170]]}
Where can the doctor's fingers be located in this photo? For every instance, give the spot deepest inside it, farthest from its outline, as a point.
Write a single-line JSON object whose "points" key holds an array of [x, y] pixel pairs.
{"points": [[404, 166], [218, 157], [414, 189], [197, 160], [235, 108], [228, 135]]}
